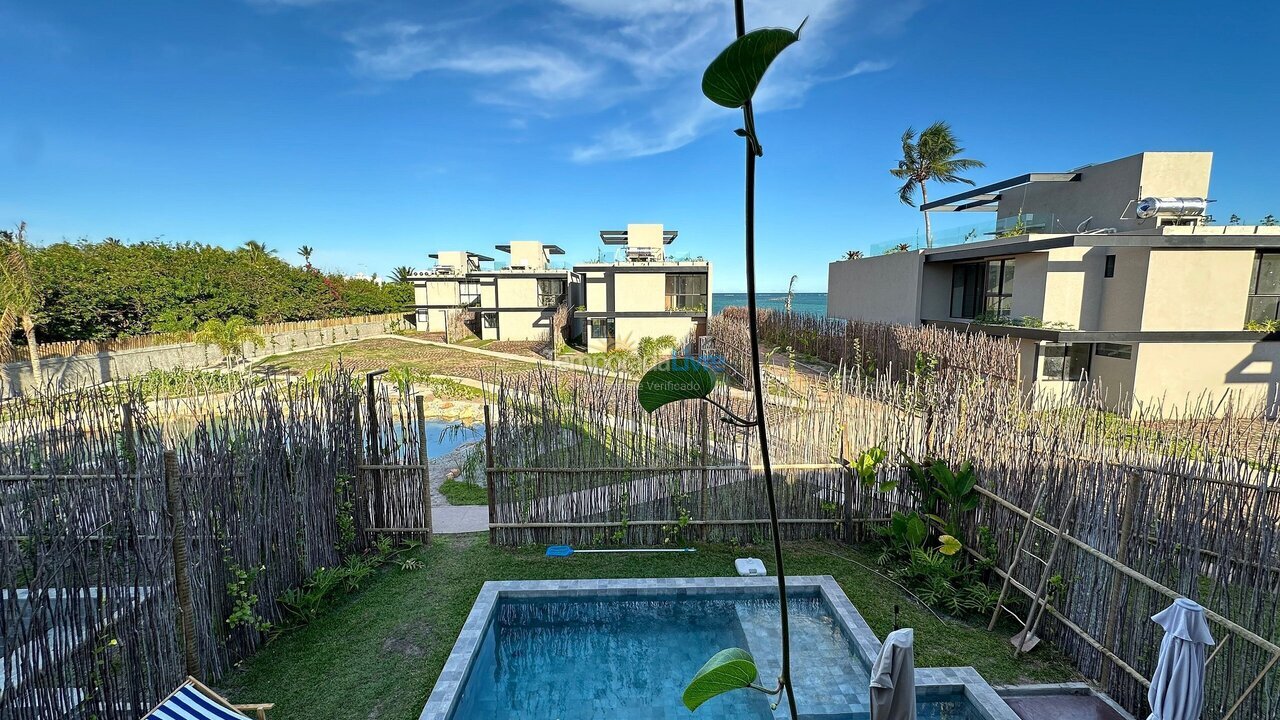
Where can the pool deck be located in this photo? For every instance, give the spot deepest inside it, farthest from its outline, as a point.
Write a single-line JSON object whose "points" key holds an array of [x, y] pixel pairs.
{"points": [[452, 678]]}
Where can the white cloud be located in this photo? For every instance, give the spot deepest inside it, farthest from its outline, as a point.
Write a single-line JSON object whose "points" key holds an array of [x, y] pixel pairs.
{"points": [[399, 50], [635, 64]]}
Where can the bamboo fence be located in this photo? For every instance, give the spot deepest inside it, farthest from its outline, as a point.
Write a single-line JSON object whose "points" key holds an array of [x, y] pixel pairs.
{"points": [[868, 346], [125, 525], [1163, 503]]}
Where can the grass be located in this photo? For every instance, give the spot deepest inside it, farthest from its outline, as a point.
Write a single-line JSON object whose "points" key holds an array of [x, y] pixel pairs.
{"points": [[377, 653], [463, 492], [384, 353]]}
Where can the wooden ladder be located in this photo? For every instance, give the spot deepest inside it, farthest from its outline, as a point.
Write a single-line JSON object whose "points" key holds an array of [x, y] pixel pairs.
{"points": [[1026, 640]]}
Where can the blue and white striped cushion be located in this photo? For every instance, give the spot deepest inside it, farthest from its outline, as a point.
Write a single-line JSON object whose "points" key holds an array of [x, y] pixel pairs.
{"points": [[190, 704]]}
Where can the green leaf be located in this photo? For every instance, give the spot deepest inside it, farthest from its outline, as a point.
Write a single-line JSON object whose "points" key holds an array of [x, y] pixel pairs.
{"points": [[730, 669], [888, 486], [949, 545], [732, 78], [672, 380]]}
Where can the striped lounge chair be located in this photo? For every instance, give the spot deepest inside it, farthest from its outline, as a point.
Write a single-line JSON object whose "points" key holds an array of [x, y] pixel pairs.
{"points": [[193, 700]]}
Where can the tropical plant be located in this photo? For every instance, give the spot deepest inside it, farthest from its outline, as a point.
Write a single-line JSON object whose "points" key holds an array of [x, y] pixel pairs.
{"points": [[731, 81], [19, 297], [852, 254], [791, 294], [401, 274], [306, 251], [258, 250], [931, 157], [951, 493], [899, 248], [1269, 221], [1234, 219], [229, 337]]}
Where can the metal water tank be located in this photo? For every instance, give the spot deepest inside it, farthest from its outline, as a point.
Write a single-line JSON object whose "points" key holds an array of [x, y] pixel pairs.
{"points": [[1176, 206]]}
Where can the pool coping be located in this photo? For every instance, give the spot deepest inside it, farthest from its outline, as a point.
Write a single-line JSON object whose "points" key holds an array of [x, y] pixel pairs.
{"points": [[444, 695]]}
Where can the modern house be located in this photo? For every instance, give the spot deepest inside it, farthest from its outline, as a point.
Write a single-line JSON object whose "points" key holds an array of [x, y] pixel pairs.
{"points": [[1109, 273], [446, 288], [644, 292], [520, 301]]}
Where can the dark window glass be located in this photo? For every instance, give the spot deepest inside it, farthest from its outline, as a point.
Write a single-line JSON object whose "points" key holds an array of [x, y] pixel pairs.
{"points": [[966, 290], [687, 291], [602, 328], [1264, 296], [469, 292], [1110, 269], [550, 292], [490, 320], [1064, 361], [1114, 350]]}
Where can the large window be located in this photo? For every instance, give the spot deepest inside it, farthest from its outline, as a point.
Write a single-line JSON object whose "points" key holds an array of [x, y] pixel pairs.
{"points": [[1114, 350], [982, 289], [1264, 298], [1064, 361], [550, 292], [687, 292], [602, 328], [469, 292]]}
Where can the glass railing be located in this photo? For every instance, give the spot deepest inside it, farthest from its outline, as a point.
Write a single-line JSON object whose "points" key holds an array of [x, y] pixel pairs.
{"points": [[1003, 227], [506, 265]]}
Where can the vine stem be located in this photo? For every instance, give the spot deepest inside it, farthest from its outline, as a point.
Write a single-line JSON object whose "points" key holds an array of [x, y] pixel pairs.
{"points": [[752, 150]]}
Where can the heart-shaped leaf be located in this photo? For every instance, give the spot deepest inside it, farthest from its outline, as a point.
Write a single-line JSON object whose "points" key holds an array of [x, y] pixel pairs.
{"points": [[672, 380], [730, 669], [732, 78], [949, 545]]}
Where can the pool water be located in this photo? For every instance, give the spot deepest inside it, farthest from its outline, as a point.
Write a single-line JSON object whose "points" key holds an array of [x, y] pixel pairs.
{"points": [[444, 436], [590, 657]]}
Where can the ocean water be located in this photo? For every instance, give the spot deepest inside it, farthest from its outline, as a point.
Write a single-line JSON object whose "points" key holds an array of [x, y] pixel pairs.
{"points": [[616, 657], [807, 303]]}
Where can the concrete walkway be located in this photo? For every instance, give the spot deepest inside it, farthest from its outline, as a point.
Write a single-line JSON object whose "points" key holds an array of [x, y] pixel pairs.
{"points": [[449, 519], [455, 519]]}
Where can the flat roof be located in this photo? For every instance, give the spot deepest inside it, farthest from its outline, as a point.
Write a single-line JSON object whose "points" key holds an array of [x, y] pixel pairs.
{"points": [[478, 256], [981, 199], [551, 249], [619, 237], [1147, 239]]}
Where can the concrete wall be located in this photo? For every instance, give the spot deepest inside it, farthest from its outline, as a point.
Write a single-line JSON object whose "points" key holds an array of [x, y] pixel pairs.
{"points": [[66, 373], [885, 288], [1122, 296], [1174, 372], [639, 292], [648, 235], [1105, 194], [1197, 289], [528, 253], [628, 332]]}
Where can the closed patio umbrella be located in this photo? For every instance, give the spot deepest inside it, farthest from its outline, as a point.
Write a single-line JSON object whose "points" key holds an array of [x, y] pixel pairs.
{"points": [[1177, 688], [893, 678]]}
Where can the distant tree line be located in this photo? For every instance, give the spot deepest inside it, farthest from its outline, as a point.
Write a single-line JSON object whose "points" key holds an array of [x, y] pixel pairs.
{"points": [[109, 289]]}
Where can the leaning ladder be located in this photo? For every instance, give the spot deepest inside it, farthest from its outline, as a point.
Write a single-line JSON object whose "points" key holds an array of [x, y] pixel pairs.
{"points": [[1026, 640]]}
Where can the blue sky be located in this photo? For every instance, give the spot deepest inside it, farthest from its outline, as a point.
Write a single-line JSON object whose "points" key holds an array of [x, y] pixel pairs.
{"points": [[380, 131]]}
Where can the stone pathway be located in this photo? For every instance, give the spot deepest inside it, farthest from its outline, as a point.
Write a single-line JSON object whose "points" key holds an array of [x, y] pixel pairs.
{"points": [[449, 519]]}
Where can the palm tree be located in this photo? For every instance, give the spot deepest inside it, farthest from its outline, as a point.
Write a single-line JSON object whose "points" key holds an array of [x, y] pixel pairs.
{"points": [[19, 298], [258, 250], [229, 337], [931, 156], [852, 254], [305, 251], [401, 274]]}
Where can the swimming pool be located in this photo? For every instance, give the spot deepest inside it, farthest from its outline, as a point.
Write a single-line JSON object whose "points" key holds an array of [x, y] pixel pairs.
{"points": [[626, 648]]}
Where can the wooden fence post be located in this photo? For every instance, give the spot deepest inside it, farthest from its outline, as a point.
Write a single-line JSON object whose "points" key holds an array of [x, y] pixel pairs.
{"points": [[127, 430], [424, 462], [374, 449], [489, 475], [182, 581], [704, 447], [1117, 580]]}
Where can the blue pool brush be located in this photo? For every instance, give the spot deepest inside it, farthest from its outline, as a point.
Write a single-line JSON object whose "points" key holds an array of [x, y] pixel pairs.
{"points": [[566, 551]]}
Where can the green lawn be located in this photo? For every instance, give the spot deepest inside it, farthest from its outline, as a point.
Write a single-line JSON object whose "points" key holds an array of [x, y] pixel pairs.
{"points": [[377, 653], [463, 492]]}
